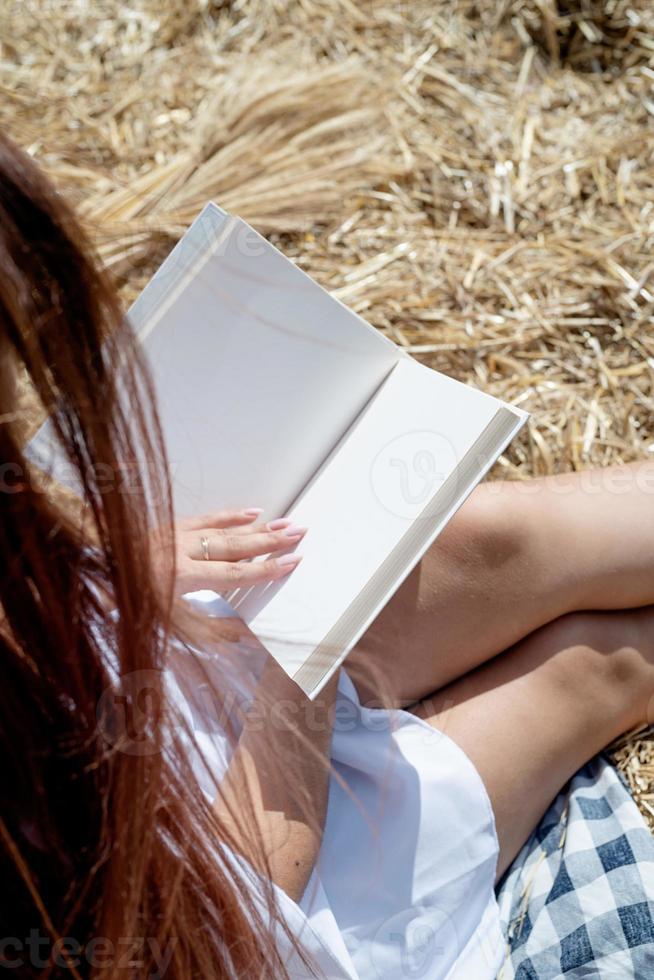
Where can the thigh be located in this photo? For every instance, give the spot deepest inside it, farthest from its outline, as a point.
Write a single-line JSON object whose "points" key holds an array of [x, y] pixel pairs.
{"points": [[493, 576], [534, 715]]}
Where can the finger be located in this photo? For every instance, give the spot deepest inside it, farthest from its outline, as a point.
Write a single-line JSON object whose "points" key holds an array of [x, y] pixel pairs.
{"points": [[222, 518], [277, 525], [228, 546], [224, 576]]}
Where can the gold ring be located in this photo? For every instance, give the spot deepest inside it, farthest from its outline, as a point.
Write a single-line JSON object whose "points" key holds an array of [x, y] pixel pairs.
{"points": [[204, 544]]}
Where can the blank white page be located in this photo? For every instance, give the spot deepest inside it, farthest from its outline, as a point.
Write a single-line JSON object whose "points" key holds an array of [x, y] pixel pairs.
{"points": [[258, 370], [370, 511]]}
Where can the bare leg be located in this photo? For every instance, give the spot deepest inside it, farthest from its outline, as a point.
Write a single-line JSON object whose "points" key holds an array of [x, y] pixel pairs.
{"points": [[516, 556], [531, 717]]}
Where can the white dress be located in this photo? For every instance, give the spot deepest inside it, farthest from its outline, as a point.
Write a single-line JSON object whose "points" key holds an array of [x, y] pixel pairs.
{"points": [[403, 887]]}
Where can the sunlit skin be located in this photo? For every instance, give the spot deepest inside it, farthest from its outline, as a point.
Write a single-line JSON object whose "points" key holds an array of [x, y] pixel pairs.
{"points": [[526, 633], [232, 537]]}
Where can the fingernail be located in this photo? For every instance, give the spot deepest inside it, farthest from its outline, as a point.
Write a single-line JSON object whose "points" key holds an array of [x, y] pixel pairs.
{"points": [[253, 511], [289, 561], [294, 531], [279, 523]]}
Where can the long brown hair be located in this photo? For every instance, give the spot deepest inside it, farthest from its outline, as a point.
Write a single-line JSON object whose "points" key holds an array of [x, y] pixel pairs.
{"points": [[99, 847]]}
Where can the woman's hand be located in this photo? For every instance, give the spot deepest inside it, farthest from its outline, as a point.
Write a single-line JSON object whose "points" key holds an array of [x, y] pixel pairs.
{"points": [[211, 550]]}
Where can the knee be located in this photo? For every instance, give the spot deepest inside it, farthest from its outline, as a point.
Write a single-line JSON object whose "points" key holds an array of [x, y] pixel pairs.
{"points": [[486, 531], [607, 658]]}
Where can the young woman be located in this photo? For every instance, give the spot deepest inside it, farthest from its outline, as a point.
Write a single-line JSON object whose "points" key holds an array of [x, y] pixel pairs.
{"points": [[173, 805]]}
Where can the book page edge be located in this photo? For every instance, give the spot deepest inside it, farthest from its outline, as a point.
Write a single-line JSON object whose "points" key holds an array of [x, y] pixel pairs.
{"points": [[311, 678]]}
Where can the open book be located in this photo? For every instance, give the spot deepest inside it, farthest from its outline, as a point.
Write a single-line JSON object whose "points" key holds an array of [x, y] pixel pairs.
{"points": [[272, 393]]}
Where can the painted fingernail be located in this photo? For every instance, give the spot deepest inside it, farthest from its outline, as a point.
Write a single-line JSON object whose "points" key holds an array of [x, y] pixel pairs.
{"points": [[294, 531], [279, 523], [289, 561], [253, 511]]}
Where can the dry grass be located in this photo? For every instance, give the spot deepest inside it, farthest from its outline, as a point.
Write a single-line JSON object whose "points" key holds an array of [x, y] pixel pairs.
{"points": [[475, 178]]}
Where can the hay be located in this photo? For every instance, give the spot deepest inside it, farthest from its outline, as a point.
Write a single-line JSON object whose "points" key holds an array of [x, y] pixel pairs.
{"points": [[475, 178]]}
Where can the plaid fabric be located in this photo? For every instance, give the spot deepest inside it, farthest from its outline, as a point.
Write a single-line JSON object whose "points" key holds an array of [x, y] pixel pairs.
{"points": [[578, 901]]}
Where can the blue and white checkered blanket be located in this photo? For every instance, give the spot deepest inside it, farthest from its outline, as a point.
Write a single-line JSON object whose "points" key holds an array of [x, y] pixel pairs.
{"points": [[578, 902]]}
